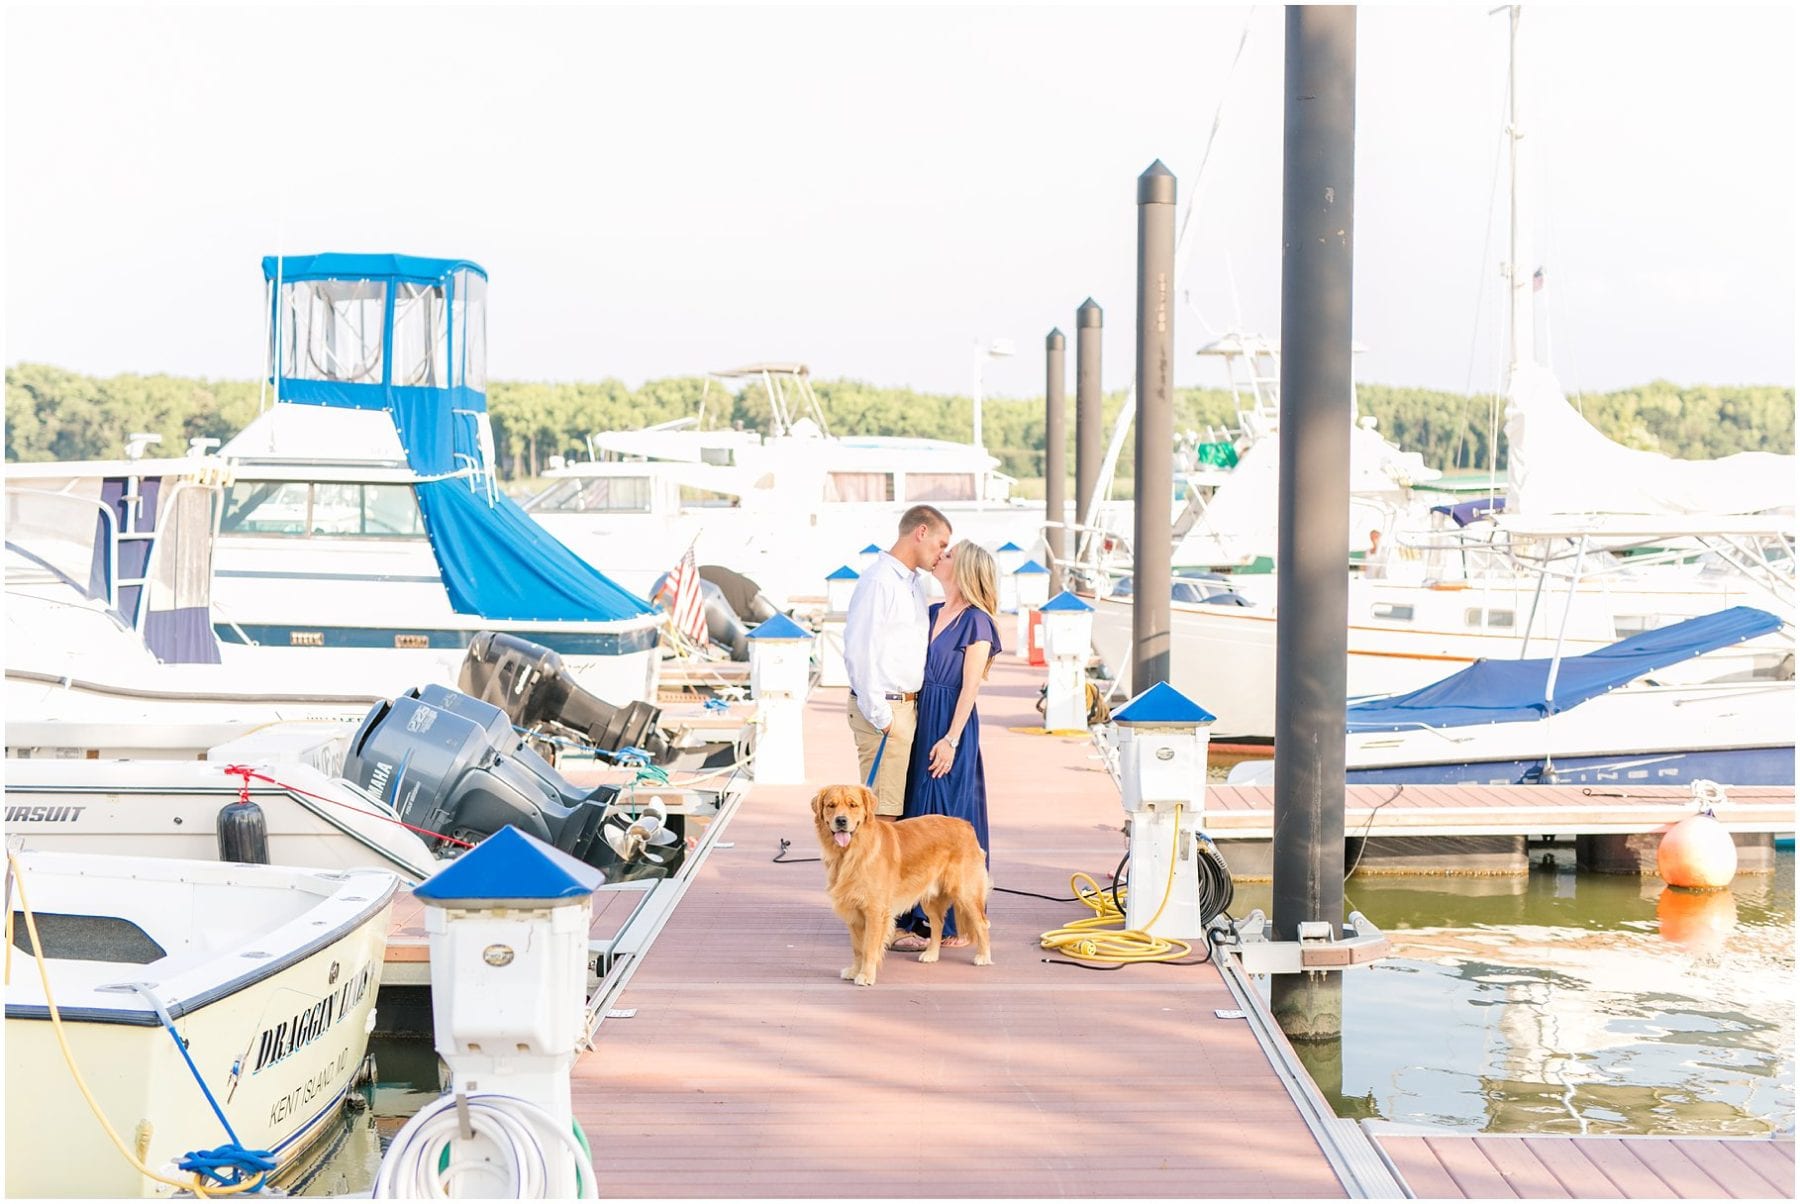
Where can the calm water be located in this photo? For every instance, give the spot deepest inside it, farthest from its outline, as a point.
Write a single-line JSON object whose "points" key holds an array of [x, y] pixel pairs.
{"points": [[408, 1076], [1569, 1003]]}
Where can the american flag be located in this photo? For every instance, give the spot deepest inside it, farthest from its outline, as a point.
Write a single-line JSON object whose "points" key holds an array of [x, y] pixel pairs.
{"points": [[1537, 281], [683, 591]]}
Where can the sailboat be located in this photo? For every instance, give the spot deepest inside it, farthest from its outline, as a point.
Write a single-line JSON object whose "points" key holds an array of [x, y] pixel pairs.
{"points": [[1560, 567]]}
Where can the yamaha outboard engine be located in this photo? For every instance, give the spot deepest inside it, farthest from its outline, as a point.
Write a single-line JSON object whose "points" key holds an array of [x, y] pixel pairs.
{"points": [[528, 681], [453, 765]]}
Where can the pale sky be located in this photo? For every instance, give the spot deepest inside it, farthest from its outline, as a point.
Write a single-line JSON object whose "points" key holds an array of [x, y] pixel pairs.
{"points": [[661, 191]]}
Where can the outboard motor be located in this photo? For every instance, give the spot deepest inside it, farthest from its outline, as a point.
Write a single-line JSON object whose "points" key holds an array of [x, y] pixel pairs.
{"points": [[453, 765], [529, 683]]}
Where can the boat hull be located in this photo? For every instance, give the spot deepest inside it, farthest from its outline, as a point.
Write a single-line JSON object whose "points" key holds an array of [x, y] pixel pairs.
{"points": [[280, 1051], [1223, 657], [1772, 766]]}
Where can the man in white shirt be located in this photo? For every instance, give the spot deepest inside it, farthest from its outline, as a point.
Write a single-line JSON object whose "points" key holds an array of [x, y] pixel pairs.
{"points": [[885, 635]]}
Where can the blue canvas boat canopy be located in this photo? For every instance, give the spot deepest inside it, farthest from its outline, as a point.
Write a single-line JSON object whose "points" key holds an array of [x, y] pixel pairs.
{"points": [[1514, 691], [408, 335], [1464, 513]]}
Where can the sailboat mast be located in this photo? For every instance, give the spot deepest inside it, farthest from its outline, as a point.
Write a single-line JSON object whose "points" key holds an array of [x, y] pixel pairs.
{"points": [[1521, 337]]}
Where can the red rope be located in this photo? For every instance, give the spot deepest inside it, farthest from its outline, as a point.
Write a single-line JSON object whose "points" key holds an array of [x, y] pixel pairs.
{"points": [[245, 772]]}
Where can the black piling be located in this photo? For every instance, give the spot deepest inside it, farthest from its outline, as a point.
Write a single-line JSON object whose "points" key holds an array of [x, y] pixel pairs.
{"points": [[1154, 482], [1088, 400], [1312, 589], [1056, 456]]}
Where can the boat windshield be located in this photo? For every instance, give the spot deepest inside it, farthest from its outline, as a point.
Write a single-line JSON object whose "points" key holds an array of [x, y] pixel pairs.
{"points": [[588, 495]]}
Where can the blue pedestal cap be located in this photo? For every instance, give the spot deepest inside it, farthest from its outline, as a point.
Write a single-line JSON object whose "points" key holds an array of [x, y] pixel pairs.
{"points": [[871, 549], [1009, 546], [843, 572], [510, 867], [1162, 705], [1065, 601], [1031, 566], [780, 628]]}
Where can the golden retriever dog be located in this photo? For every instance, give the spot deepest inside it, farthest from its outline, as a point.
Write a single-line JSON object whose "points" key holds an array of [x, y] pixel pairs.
{"points": [[875, 870]]}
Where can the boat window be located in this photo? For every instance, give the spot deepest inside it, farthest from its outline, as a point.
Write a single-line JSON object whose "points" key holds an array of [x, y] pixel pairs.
{"points": [[859, 487], [1475, 617], [940, 487], [471, 329], [1394, 611], [421, 339], [331, 330], [391, 510], [265, 508], [341, 508], [693, 495]]}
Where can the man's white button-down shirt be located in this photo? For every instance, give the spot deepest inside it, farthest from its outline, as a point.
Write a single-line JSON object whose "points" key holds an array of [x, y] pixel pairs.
{"points": [[885, 635]]}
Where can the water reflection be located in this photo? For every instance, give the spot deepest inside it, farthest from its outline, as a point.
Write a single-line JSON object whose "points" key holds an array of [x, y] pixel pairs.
{"points": [[1560, 1002], [408, 1075]]}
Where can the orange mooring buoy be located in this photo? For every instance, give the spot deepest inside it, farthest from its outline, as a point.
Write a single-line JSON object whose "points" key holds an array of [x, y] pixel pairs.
{"points": [[1698, 922], [1697, 854]]}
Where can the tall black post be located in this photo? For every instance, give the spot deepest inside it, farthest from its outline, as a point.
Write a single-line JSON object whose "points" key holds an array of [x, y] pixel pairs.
{"points": [[1312, 589], [1056, 456], [1088, 400], [1154, 483]]}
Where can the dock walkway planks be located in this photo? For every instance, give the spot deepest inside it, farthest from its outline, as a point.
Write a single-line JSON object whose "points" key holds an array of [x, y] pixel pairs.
{"points": [[749, 1069], [1248, 812], [1490, 1167]]}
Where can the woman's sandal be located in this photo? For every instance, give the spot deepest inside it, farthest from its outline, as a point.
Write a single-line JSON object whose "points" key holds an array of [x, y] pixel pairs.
{"points": [[908, 942], [955, 942]]}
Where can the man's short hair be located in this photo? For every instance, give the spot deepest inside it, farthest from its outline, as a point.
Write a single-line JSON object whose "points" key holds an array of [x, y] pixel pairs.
{"points": [[922, 515]]}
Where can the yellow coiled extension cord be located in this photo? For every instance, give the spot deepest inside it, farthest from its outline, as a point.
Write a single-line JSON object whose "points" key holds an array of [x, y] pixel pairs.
{"points": [[1096, 939]]}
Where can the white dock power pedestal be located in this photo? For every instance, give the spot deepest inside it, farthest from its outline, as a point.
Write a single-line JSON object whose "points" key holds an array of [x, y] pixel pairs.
{"points": [[780, 672], [1162, 785], [840, 585], [1068, 625], [508, 925], [1032, 581]]}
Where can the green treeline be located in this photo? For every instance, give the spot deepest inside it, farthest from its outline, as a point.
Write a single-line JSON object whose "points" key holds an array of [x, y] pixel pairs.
{"points": [[55, 414]]}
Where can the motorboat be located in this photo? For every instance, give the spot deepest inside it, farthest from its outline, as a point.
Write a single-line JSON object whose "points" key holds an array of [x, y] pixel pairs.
{"points": [[359, 522], [1608, 717], [785, 508], [262, 977], [419, 778], [311, 815], [84, 680]]}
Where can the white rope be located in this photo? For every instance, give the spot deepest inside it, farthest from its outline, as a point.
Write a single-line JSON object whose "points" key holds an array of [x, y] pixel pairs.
{"points": [[519, 1129]]}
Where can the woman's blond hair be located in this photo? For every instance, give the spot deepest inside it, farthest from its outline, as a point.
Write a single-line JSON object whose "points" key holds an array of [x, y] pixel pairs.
{"points": [[978, 580]]}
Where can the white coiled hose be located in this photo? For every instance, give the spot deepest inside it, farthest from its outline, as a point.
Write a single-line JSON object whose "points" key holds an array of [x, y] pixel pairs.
{"points": [[523, 1132]]}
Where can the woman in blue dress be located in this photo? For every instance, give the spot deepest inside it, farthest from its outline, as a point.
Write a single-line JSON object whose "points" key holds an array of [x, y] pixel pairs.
{"points": [[946, 776]]}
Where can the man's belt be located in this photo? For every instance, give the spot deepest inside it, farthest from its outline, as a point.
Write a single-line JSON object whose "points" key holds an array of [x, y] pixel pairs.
{"points": [[908, 697]]}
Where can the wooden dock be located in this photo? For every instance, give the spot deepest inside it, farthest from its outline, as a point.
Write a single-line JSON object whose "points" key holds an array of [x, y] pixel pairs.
{"points": [[734, 1062], [740, 1064], [1488, 1167], [1248, 812]]}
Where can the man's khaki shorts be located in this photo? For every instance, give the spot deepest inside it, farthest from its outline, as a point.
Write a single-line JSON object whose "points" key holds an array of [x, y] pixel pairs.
{"points": [[890, 783]]}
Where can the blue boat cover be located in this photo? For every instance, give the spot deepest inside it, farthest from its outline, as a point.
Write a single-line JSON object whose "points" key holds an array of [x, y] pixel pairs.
{"points": [[1467, 512], [1514, 691], [496, 562]]}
